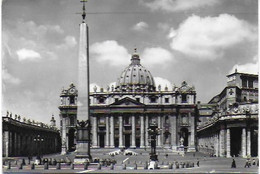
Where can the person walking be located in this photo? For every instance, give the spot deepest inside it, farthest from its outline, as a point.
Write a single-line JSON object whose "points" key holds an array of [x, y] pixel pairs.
{"points": [[233, 165]]}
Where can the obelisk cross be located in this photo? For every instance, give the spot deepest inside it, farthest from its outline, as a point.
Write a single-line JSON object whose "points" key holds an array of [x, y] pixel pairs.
{"points": [[84, 10]]}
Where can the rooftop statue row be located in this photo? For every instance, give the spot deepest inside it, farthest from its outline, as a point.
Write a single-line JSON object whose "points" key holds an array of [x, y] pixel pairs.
{"points": [[183, 88], [29, 121]]}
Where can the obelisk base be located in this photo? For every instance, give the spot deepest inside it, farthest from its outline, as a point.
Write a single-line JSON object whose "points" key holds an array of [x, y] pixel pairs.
{"points": [[82, 153]]}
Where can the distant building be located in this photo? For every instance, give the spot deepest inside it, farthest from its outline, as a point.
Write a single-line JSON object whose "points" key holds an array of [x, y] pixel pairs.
{"points": [[121, 114], [229, 122], [23, 137]]}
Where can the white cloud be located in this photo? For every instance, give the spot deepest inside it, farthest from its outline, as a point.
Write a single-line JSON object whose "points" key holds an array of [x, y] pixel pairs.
{"points": [[178, 5], [156, 56], [26, 54], [141, 26], [110, 52], [163, 82], [251, 68], [207, 38], [8, 78], [69, 42]]}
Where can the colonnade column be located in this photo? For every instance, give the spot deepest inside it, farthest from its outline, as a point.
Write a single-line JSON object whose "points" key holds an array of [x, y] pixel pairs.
{"points": [[228, 143], [142, 132], [133, 132], [121, 132], [94, 138], [216, 145], [6, 143], [112, 132], [146, 131], [248, 150], [222, 143], [159, 144], [243, 146], [107, 132]]}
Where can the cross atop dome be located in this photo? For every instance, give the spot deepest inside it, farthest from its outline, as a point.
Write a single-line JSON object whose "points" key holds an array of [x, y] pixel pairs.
{"points": [[135, 60]]}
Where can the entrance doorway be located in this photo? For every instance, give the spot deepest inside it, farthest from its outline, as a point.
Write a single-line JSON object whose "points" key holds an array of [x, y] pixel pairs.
{"points": [[235, 141], [127, 140], [72, 145], [116, 142], [137, 141], [102, 140], [184, 136]]}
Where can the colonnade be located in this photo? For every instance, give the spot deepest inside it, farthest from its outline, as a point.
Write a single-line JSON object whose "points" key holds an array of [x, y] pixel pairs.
{"points": [[219, 143]]}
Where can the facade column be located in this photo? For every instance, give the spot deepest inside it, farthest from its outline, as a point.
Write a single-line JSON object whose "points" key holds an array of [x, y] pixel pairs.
{"points": [[228, 143], [133, 132], [192, 135], [146, 131], [222, 143], [107, 132], [15, 144], [112, 132], [173, 128], [159, 144], [94, 133], [121, 132], [19, 145], [142, 131], [243, 147], [248, 150]]}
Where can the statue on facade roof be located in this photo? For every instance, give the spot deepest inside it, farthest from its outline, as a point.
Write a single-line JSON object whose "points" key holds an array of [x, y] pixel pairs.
{"points": [[159, 87], [108, 88], [112, 88], [95, 88], [19, 117], [7, 113]]}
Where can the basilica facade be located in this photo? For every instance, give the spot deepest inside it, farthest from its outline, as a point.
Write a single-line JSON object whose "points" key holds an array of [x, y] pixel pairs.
{"points": [[120, 115]]}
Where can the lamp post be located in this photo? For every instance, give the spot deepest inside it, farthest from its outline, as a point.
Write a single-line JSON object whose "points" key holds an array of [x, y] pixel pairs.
{"points": [[153, 131], [38, 141]]}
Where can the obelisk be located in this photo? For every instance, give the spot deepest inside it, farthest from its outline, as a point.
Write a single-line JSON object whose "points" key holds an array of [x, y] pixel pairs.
{"points": [[83, 119]]}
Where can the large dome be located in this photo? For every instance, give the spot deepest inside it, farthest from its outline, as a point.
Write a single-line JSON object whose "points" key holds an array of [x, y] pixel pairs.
{"points": [[135, 77]]}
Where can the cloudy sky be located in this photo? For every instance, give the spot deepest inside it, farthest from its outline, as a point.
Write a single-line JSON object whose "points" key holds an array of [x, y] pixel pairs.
{"points": [[199, 41]]}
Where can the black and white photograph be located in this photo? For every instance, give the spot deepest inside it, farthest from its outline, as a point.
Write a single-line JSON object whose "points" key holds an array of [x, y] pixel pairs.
{"points": [[129, 86]]}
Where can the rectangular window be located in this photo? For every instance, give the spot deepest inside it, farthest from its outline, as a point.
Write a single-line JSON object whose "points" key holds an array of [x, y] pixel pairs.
{"points": [[244, 83], [250, 83], [166, 100], [153, 100], [184, 98], [116, 99], [72, 101], [138, 99]]}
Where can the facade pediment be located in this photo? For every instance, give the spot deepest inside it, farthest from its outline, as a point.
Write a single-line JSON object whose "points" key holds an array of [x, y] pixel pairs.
{"points": [[127, 102]]}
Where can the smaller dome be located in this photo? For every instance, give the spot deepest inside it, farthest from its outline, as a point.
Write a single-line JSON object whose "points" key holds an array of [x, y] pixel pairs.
{"points": [[135, 77]]}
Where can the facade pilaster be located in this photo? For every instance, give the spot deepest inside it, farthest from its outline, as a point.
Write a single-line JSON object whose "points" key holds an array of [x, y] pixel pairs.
{"points": [[142, 132], [243, 146], [228, 143], [121, 132], [173, 132], [107, 132], [248, 150], [133, 145], [112, 132], [63, 137]]}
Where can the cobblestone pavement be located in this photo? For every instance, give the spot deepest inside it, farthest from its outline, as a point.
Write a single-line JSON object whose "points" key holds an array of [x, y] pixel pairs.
{"points": [[206, 164]]}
